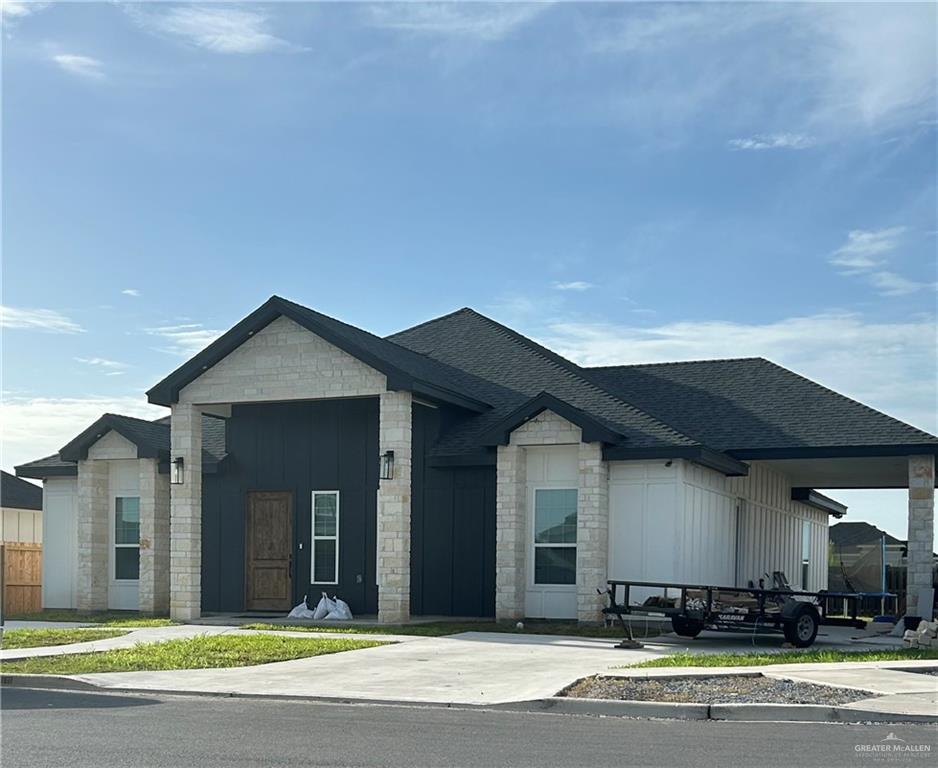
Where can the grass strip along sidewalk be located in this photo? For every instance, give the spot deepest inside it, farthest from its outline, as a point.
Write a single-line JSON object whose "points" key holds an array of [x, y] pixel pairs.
{"points": [[129, 619], [441, 628], [786, 657], [38, 638], [202, 652]]}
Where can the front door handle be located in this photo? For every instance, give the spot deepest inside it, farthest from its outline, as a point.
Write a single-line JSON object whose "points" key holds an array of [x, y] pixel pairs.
{"points": [[290, 566]]}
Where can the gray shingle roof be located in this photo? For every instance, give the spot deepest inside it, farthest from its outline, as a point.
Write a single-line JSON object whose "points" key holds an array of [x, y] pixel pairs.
{"points": [[18, 494], [751, 404], [489, 350], [152, 436]]}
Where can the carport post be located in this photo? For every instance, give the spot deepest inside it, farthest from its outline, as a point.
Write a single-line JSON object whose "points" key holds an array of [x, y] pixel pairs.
{"points": [[921, 532]]}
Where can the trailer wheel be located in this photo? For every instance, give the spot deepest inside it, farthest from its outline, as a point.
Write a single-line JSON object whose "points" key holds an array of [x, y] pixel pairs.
{"points": [[802, 625], [686, 627]]}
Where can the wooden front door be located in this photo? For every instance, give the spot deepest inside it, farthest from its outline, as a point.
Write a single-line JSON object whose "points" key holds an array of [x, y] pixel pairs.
{"points": [[269, 551]]}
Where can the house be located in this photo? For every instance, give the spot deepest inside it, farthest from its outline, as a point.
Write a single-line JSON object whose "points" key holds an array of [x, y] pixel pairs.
{"points": [[20, 510], [858, 553], [456, 468]]}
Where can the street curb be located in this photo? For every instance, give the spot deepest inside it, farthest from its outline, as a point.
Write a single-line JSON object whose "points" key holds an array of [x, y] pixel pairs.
{"points": [[560, 705], [813, 713]]}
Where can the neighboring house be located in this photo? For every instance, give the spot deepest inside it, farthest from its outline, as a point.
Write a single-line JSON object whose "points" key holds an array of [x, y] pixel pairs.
{"points": [[857, 554], [20, 510], [457, 468]]}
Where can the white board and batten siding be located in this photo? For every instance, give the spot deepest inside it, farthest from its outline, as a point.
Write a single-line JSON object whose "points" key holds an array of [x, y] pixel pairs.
{"points": [[770, 531], [685, 523], [668, 525], [60, 548]]}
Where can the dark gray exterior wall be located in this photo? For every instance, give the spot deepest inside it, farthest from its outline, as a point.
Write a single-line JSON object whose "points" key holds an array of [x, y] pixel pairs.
{"points": [[333, 445], [452, 529], [297, 447]]}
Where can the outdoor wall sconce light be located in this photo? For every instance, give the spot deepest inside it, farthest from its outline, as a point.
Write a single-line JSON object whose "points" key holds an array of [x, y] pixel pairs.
{"points": [[387, 465], [175, 471]]}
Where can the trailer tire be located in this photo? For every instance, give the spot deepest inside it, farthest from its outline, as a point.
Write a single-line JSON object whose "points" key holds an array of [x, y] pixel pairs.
{"points": [[801, 625], [685, 627]]}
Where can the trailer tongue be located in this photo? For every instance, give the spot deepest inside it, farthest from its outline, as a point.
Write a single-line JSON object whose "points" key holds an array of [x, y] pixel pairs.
{"points": [[755, 610]]}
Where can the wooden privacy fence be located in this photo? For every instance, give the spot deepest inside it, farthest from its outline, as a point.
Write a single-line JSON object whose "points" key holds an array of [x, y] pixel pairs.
{"points": [[22, 577]]}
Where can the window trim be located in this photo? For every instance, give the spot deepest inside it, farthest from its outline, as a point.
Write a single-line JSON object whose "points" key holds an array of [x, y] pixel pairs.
{"points": [[313, 538], [113, 538], [536, 544]]}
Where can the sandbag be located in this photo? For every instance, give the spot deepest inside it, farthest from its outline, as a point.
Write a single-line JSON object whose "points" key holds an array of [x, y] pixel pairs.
{"points": [[341, 612], [301, 611], [324, 608]]}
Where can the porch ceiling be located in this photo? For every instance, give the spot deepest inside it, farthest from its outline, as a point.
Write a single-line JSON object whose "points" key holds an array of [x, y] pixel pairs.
{"points": [[860, 472]]}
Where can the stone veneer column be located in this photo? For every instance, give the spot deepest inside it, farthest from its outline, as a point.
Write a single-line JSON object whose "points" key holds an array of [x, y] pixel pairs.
{"points": [[921, 532], [185, 556], [93, 500], [395, 433], [592, 531], [510, 532], [154, 538]]}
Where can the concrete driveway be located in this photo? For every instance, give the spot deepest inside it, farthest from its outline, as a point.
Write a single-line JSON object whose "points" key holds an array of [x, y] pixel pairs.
{"points": [[469, 668]]}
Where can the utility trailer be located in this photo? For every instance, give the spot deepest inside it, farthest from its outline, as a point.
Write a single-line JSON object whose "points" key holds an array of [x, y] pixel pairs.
{"points": [[754, 610]]}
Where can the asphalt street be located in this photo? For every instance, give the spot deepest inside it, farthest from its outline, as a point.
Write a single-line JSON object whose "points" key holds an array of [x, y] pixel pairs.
{"points": [[65, 729]]}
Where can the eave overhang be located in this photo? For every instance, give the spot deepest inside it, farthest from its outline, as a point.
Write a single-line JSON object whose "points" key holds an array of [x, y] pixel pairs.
{"points": [[698, 454], [819, 501]]}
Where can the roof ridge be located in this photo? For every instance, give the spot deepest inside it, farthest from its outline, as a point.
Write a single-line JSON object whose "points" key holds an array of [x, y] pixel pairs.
{"points": [[675, 362], [571, 369], [850, 399], [390, 336]]}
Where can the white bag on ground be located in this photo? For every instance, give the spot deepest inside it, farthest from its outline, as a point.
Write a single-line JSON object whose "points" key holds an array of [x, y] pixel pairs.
{"points": [[341, 612], [301, 611], [324, 608]]}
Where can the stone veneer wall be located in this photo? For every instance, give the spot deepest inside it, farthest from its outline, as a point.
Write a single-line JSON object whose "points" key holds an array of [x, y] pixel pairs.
{"points": [[284, 361], [185, 529], [512, 539], [592, 532], [395, 433], [93, 499], [921, 531], [154, 538]]}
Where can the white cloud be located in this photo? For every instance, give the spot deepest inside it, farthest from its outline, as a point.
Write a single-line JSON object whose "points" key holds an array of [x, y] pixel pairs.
{"points": [[866, 249], [486, 22], [47, 320], [130, 292], [220, 29], [184, 339], [34, 427], [19, 9], [110, 367], [890, 366], [891, 284], [83, 66], [774, 141], [575, 285]]}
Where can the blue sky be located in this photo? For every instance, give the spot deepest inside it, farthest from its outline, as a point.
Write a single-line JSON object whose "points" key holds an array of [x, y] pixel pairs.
{"points": [[623, 182]]}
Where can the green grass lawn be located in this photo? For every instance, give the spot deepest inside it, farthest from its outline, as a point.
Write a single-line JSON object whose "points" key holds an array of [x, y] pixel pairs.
{"points": [[192, 653], [786, 657], [440, 628], [128, 619], [35, 638]]}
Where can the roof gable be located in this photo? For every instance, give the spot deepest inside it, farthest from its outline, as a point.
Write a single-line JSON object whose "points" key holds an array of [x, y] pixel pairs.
{"points": [[593, 430], [403, 368]]}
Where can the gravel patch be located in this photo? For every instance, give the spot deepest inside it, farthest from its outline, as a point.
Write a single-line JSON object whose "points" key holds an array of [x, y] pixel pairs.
{"points": [[920, 671], [719, 689]]}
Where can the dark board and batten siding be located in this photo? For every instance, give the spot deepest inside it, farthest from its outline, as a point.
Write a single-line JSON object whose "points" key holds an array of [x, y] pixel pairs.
{"points": [[452, 530], [296, 447]]}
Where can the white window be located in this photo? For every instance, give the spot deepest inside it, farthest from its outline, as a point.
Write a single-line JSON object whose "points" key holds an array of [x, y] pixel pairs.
{"points": [[126, 538], [555, 535], [805, 553], [324, 562]]}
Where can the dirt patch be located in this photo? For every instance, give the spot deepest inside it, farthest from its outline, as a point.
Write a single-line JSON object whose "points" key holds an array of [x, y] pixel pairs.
{"points": [[719, 689]]}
